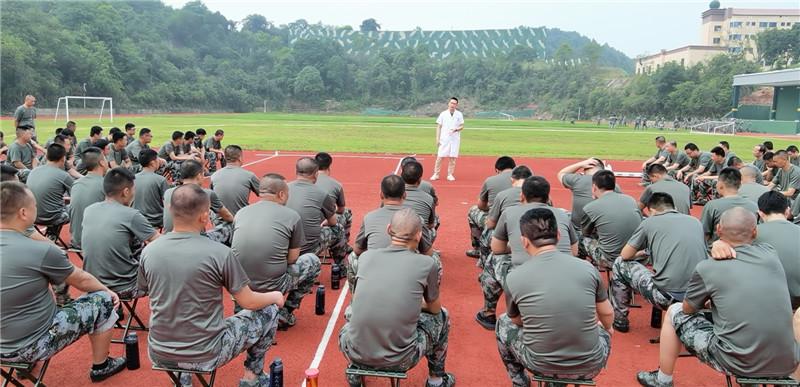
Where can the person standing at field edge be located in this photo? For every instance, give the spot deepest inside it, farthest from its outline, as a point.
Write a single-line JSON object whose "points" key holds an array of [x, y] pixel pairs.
{"points": [[448, 138]]}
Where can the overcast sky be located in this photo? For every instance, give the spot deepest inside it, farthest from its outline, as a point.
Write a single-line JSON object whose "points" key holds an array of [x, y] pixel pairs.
{"points": [[632, 26]]}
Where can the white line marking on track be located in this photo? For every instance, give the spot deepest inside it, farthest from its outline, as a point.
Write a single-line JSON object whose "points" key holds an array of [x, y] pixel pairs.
{"points": [[397, 168], [342, 156], [326, 337], [272, 156]]}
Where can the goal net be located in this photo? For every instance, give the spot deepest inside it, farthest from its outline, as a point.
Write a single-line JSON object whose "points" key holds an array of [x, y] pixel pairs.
{"points": [[715, 127], [79, 103]]}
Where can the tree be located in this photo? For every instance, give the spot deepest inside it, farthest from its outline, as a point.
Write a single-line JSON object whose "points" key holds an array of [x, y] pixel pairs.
{"points": [[777, 46], [256, 23], [308, 85], [563, 53], [370, 25]]}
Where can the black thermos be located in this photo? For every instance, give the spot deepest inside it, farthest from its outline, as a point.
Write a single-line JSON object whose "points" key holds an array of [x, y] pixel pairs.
{"points": [[132, 351], [336, 274], [276, 373], [320, 305]]}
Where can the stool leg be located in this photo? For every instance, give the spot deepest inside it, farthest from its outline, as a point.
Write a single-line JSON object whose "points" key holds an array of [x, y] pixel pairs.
{"points": [[395, 382], [41, 374], [728, 380]]}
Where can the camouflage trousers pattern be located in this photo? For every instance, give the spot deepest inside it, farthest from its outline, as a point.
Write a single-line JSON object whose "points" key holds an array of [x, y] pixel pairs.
{"points": [[299, 279], [89, 314], [703, 190], [332, 240], [629, 276], [517, 358], [431, 341], [477, 222], [485, 246], [696, 333], [174, 168], [248, 330], [345, 219], [222, 233], [492, 279], [212, 161], [351, 267], [591, 247]]}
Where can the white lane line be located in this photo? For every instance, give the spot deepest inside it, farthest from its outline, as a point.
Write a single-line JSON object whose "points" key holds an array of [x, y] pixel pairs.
{"points": [[397, 168], [272, 156], [341, 156], [326, 337]]}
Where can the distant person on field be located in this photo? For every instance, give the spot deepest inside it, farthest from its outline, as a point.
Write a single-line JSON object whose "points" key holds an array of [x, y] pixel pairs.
{"points": [[493, 185], [22, 155], [397, 315], [150, 189], [184, 274], [553, 333], [751, 334], [233, 183], [214, 151], [33, 328], [448, 138]]}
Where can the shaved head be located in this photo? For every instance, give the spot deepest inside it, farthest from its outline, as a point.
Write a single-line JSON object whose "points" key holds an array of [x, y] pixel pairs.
{"points": [[306, 166], [737, 225], [14, 196], [188, 201], [405, 225], [749, 174], [272, 184]]}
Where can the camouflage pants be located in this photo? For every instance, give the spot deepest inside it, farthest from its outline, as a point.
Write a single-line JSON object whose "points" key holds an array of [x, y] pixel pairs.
{"points": [[485, 245], [703, 190], [477, 222], [627, 276], [248, 330], [518, 358], [592, 247], [331, 238], [54, 226], [222, 233], [89, 314], [351, 268], [696, 333], [431, 340], [22, 174], [299, 279], [492, 278], [174, 167], [345, 219]]}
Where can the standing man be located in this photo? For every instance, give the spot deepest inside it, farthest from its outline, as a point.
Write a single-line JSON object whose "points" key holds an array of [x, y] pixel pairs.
{"points": [[25, 115], [448, 138]]}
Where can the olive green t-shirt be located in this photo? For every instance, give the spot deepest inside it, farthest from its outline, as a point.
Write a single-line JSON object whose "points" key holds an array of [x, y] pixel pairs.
{"points": [[184, 274], [149, 197], [426, 186], [109, 229], [786, 179], [49, 184], [713, 210], [422, 203], [134, 149], [25, 116], [233, 184], [263, 233], [493, 185], [751, 312], [117, 156], [333, 188], [752, 191], [314, 206], [679, 157], [85, 192], [22, 153], [581, 187], [559, 328], [27, 268], [390, 286], [613, 217], [216, 205], [676, 246], [508, 230], [168, 148], [703, 160], [83, 145], [784, 237], [680, 193], [507, 198]]}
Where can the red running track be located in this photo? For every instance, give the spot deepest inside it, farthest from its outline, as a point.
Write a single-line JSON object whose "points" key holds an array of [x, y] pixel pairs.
{"points": [[473, 354]]}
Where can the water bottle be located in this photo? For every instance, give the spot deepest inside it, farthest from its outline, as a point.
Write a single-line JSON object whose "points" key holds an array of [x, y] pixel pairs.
{"points": [[312, 377], [132, 351], [336, 275], [276, 373], [655, 318], [319, 308]]}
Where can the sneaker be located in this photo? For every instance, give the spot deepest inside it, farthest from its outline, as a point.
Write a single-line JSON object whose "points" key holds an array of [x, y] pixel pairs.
{"points": [[286, 320], [186, 379], [451, 178], [261, 381], [474, 253], [621, 325], [448, 380], [524, 381], [114, 365], [434, 177], [488, 322], [353, 380], [650, 379]]}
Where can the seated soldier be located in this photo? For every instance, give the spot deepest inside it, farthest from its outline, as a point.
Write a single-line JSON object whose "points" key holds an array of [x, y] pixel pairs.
{"points": [[86, 191], [21, 154], [553, 333], [675, 242], [344, 217], [188, 145], [699, 163], [184, 273], [200, 146], [33, 328], [704, 184], [95, 134], [662, 182], [750, 188], [130, 133], [172, 152], [418, 200], [608, 221], [117, 155], [214, 151], [150, 189], [112, 234], [69, 159], [726, 146], [424, 185], [787, 178], [49, 183], [676, 160], [388, 330], [506, 198], [771, 168], [492, 186], [233, 183], [736, 291], [730, 179], [507, 249], [192, 173], [578, 179], [272, 260], [661, 157], [758, 157], [136, 147], [318, 212]]}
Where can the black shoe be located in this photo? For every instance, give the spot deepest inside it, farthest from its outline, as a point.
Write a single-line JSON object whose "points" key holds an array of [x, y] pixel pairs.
{"points": [[622, 325], [488, 322], [115, 365], [474, 253]]}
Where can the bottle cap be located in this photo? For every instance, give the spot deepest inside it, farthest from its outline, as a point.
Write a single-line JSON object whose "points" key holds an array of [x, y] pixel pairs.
{"points": [[312, 373]]}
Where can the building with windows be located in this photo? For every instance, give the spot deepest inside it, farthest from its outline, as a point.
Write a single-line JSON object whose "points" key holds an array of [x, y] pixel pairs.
{"points": [[731, 30]]}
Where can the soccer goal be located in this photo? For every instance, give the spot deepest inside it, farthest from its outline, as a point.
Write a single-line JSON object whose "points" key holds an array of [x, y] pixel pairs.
{"points": [[103, 100], [715, 127], [507, 117]]}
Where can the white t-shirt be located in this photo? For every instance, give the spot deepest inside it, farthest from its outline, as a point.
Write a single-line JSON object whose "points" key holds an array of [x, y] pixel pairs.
{"points": [[450, 122]]}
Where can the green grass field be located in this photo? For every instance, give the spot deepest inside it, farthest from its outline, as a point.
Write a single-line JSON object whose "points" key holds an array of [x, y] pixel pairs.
{"points": [[342, 133]]}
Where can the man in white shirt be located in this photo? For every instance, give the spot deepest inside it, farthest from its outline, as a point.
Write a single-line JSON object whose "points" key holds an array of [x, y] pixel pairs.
{"points": [[448, 138]]}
